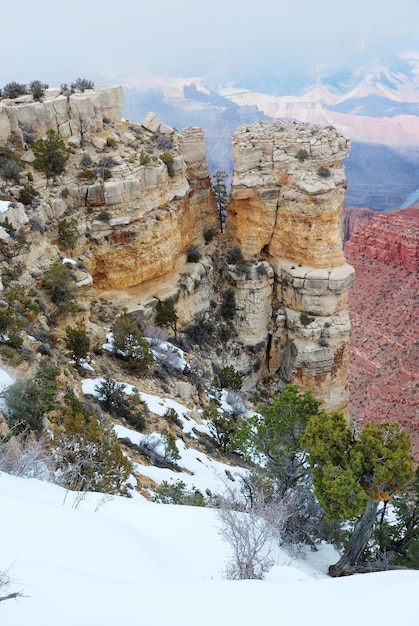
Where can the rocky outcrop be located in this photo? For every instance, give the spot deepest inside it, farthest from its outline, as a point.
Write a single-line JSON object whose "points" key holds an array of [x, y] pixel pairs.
{"points": [[65, 114], [285, 206], [389, 238], [287, 192], [154, 214]]}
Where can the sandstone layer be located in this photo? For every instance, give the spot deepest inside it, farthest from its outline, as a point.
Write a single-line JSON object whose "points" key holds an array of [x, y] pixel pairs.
{"points": [[285, 206]]}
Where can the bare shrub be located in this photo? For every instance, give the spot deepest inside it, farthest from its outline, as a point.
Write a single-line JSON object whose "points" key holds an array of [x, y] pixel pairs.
{"points": [[26, 458], [252, 532]]}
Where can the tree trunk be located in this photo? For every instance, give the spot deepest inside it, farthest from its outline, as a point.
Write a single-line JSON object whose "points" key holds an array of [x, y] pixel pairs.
{"points": [[357, 542]]}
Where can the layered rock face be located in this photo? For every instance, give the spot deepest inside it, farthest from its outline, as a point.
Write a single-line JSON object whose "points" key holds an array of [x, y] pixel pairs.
{"points": [[62, 113], [390, 238], [155, 216], [384, 379], [285, 206]]}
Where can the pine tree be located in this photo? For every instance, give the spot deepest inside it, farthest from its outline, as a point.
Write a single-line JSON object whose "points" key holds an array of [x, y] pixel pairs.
{"points": [[87, 452], [51, 154], [166, 315], [353, 471], [78, 342]]}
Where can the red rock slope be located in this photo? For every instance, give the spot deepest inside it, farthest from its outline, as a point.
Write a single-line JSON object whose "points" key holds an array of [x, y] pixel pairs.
{"points": [[384, 308]]}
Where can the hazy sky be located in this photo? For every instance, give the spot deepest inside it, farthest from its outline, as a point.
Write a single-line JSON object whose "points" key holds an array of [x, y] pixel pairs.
{"points": [[57, 42]]}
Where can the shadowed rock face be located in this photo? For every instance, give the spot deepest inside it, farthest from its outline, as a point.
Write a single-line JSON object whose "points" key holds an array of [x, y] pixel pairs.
{"points": [[285, 204]]}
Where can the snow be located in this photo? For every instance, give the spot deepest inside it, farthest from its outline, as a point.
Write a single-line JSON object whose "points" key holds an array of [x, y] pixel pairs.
{"points": [[4, 205], [127, 560], [133, 561]]}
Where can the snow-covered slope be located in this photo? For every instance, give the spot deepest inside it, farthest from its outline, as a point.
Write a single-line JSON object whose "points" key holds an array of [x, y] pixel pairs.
{"points": [[135, 562]]}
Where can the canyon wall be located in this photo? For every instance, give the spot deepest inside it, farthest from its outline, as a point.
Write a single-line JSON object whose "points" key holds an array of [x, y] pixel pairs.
{"points": [[384, 379], [285, 207], [141, 196]]}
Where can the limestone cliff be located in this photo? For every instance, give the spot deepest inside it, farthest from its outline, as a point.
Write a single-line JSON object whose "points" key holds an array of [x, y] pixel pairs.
{"points": [[141, 196], [285, 206]]}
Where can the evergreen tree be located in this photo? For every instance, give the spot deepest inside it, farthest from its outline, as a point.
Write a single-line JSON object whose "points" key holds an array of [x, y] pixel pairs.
{"points": [[353, 471], [87, 452], [78, 342], [29, 400], [60, 285], [166, 315], [51, 154], [220, 192], [130, 344]]}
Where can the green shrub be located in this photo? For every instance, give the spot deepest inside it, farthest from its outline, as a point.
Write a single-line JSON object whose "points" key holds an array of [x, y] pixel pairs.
{"points": [[26, 195], [37, 89], [88, 174], [228, 378], [324, 172], [60, 285], [234, 255], [209, 234], [51, 154], [80, 84], [166, 315], [29, 400], [193, 255], [223, 427], [201, 330], [129, 343], [306, 319], [87, 452], [14, 90], [228, 304], [178, 493], [78, 342], [168, 160], [302, 155], [171, 453], [144, 158], [68, 233]]}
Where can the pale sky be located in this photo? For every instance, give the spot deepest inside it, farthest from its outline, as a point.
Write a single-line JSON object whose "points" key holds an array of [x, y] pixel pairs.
{"points": [[220, 39]]}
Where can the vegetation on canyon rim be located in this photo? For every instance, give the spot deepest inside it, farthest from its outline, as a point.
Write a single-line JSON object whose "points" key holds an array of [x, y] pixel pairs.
{"points": [[322, 474]]}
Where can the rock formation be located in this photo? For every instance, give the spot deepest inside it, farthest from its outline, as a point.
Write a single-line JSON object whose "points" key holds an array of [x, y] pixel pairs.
{"points": [[285, 207], [141, 196], [62, 113]]}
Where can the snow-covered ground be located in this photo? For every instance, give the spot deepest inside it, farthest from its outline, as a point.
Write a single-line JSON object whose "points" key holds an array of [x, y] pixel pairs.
{"points": [[129, 561], [136, 562]]}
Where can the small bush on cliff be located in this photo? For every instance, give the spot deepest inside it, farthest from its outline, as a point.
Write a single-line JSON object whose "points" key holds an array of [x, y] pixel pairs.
{"points": [[201, 329], [228, 304], [193, 255], [228, 378], [324, 172], [87, 453], [302, 155], [78, 342], [234, 255], [166, 315], [306, 319], [67, 233], [168, 160], [129, 343], [29, 400], [60, 285], [37, 89], [81, 84], [51, 154], [14, 90]]}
